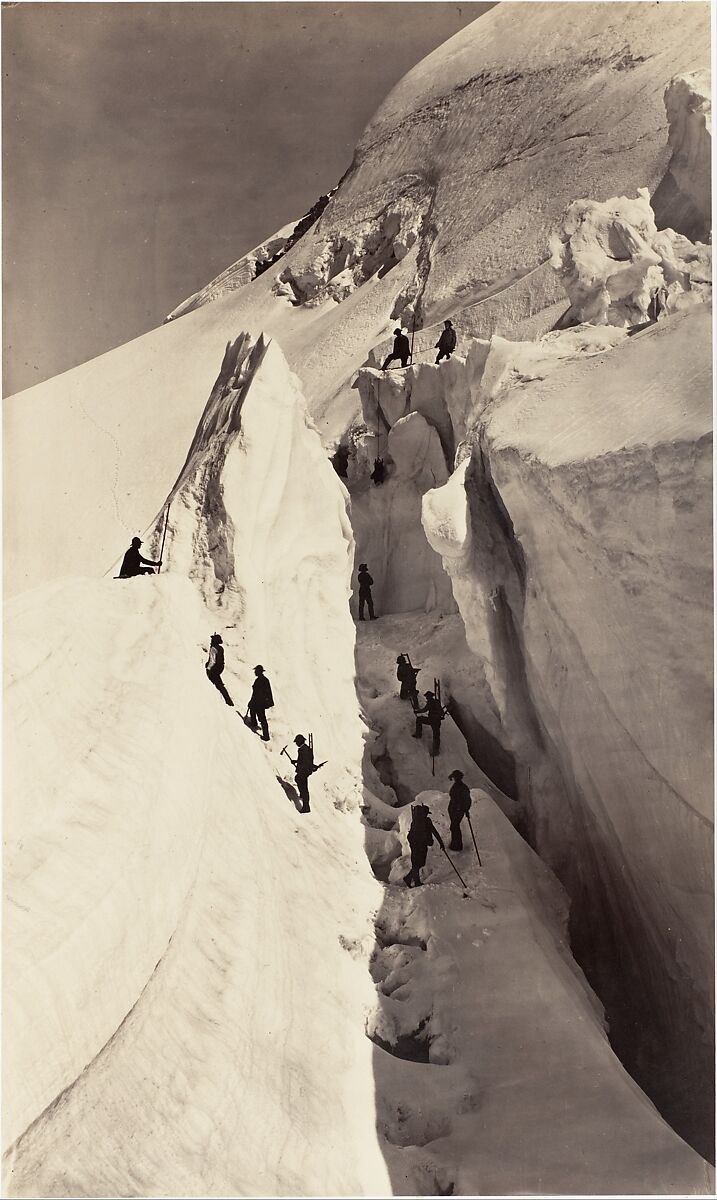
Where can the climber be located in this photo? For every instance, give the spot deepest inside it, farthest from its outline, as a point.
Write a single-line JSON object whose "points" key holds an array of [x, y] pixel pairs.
{"points": [[458, 808], [407, 675], [379, 471], [434, 715], [215, 665], [420, 837], [261, 699], [446, 343], [131, 563], [658, 303], [365, 581], [401, 350], [304, 763]]}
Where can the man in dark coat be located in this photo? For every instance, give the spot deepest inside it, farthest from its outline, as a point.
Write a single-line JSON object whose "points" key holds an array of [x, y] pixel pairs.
{"points": [[132, 562], [261, 699], [215, 665], [420, 837], [401, 350], [304, 763], [433, 716], [458, 807], [446, 343], [407, 676], [365, 583]]}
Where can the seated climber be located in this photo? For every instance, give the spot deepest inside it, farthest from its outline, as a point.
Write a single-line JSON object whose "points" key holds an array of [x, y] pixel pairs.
{"points": [[446, 343], [132, 562], [401, 350]]}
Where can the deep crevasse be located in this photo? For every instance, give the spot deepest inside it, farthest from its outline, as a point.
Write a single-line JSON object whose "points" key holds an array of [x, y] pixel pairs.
{"points": [[229, 999]]}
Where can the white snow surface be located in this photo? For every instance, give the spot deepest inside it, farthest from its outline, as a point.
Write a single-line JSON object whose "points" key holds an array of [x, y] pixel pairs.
{"points": [[189, 960], [172, 957]]}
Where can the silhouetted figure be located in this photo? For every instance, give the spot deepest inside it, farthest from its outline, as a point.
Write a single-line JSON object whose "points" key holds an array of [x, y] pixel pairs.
{"points": [[434, 714], [304, 763], [379, 471], [365, 583], [133, 560], [261, 699], [658, 303], [407, 676], [446, 343], [420, 837], [340, 461], [401, 350], [215, 666], [458, 808]]}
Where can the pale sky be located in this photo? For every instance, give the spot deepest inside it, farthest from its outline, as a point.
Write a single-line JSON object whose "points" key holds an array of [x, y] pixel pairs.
{"points": [[148, 146]]}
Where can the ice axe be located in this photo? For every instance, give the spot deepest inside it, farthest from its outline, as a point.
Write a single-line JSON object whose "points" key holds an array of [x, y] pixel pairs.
{"points": [[455, 868], [161, 550], [468, 815]]}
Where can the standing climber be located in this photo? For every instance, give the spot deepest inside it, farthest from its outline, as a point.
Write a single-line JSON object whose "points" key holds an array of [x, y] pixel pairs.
{"points": [[420, 837], [215, 665], [401, 350], [434, 714], [378, 475], [407, 675], [132, 562], [365, 583], [304, 763], [446, 343], [458, 808], [261, 699]]}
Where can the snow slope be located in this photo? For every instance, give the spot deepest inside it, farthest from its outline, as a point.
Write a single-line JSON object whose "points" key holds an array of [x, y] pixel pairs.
{"points": [[182, 1010], [575, 107], [228, 1006]]}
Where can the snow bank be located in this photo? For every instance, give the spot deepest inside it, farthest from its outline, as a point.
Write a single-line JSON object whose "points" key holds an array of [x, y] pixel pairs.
{"points": [[94, 797], [176, 967]]}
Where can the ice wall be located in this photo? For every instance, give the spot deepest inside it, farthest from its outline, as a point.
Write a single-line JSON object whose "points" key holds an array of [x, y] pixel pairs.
{"points": [[406, 424], [618, 270], [684, 197], [576, 530]]}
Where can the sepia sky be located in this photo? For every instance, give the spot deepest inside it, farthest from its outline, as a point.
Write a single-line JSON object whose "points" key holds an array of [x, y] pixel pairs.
{"points": [[147, 146]]}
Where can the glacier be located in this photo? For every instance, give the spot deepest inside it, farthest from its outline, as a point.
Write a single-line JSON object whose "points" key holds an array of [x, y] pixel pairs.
{"points": [[208, 993]]}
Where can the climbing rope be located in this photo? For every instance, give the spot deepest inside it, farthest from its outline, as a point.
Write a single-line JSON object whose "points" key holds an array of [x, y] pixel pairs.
{"points": [[379, 471]]}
